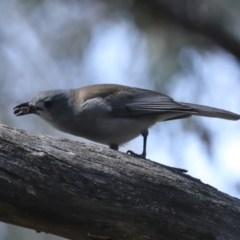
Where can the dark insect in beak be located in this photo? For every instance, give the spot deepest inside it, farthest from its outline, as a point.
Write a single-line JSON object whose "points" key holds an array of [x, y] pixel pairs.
{"points": [[24, 109]]}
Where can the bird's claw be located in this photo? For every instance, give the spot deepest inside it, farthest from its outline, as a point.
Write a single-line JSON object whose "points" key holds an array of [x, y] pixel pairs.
{"points": [[133, 154]]}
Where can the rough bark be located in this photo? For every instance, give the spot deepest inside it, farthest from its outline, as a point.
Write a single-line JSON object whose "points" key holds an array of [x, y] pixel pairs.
{"points": [[85, 191]]}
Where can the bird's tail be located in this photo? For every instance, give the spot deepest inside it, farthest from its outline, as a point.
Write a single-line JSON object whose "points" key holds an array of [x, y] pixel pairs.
{"points": [[211, 112]]}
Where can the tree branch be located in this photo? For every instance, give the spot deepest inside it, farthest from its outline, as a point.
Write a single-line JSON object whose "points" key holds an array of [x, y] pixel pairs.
{"points": [[212, 19], [84, 191]]}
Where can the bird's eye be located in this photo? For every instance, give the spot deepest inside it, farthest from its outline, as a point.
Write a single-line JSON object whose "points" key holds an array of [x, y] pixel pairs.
{"points": [[48, 103]]}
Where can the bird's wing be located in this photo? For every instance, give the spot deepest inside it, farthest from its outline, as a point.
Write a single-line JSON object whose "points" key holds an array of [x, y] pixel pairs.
{"points": [[137, 102]]}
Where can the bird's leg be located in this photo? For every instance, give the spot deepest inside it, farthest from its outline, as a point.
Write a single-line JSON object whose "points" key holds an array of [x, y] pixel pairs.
{"points": [[144, 153], [113, 146]]}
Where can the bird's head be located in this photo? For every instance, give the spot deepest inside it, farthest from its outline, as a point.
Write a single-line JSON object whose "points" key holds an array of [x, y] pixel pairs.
{"points": [[46, 104]]}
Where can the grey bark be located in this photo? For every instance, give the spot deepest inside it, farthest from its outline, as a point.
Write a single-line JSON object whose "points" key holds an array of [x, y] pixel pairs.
{"points": [[85, 191]]}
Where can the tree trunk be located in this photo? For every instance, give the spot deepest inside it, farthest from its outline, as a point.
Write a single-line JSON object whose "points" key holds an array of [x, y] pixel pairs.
{"points": [[85, 191]]}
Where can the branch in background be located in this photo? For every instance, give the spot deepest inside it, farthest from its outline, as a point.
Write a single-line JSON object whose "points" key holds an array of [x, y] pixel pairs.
{"points": [[84, 191], [212, 19]]}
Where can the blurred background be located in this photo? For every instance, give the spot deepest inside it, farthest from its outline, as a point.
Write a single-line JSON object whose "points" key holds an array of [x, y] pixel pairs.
{"points": [[187, 49]]}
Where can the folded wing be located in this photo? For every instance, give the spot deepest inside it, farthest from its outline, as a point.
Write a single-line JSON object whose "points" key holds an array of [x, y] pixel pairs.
{"points": [[139, 102]]}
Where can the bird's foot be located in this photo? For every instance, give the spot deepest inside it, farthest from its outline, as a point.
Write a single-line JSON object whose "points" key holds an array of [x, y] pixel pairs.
{"points": [[133, 154], [143, 156]]}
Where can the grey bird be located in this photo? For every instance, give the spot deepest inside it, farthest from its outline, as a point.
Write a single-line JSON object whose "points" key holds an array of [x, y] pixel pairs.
{"points": [[112, 114]]}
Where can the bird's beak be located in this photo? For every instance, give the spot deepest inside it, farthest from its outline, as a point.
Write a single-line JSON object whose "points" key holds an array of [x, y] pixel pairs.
{"points": [[23, 109]]}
